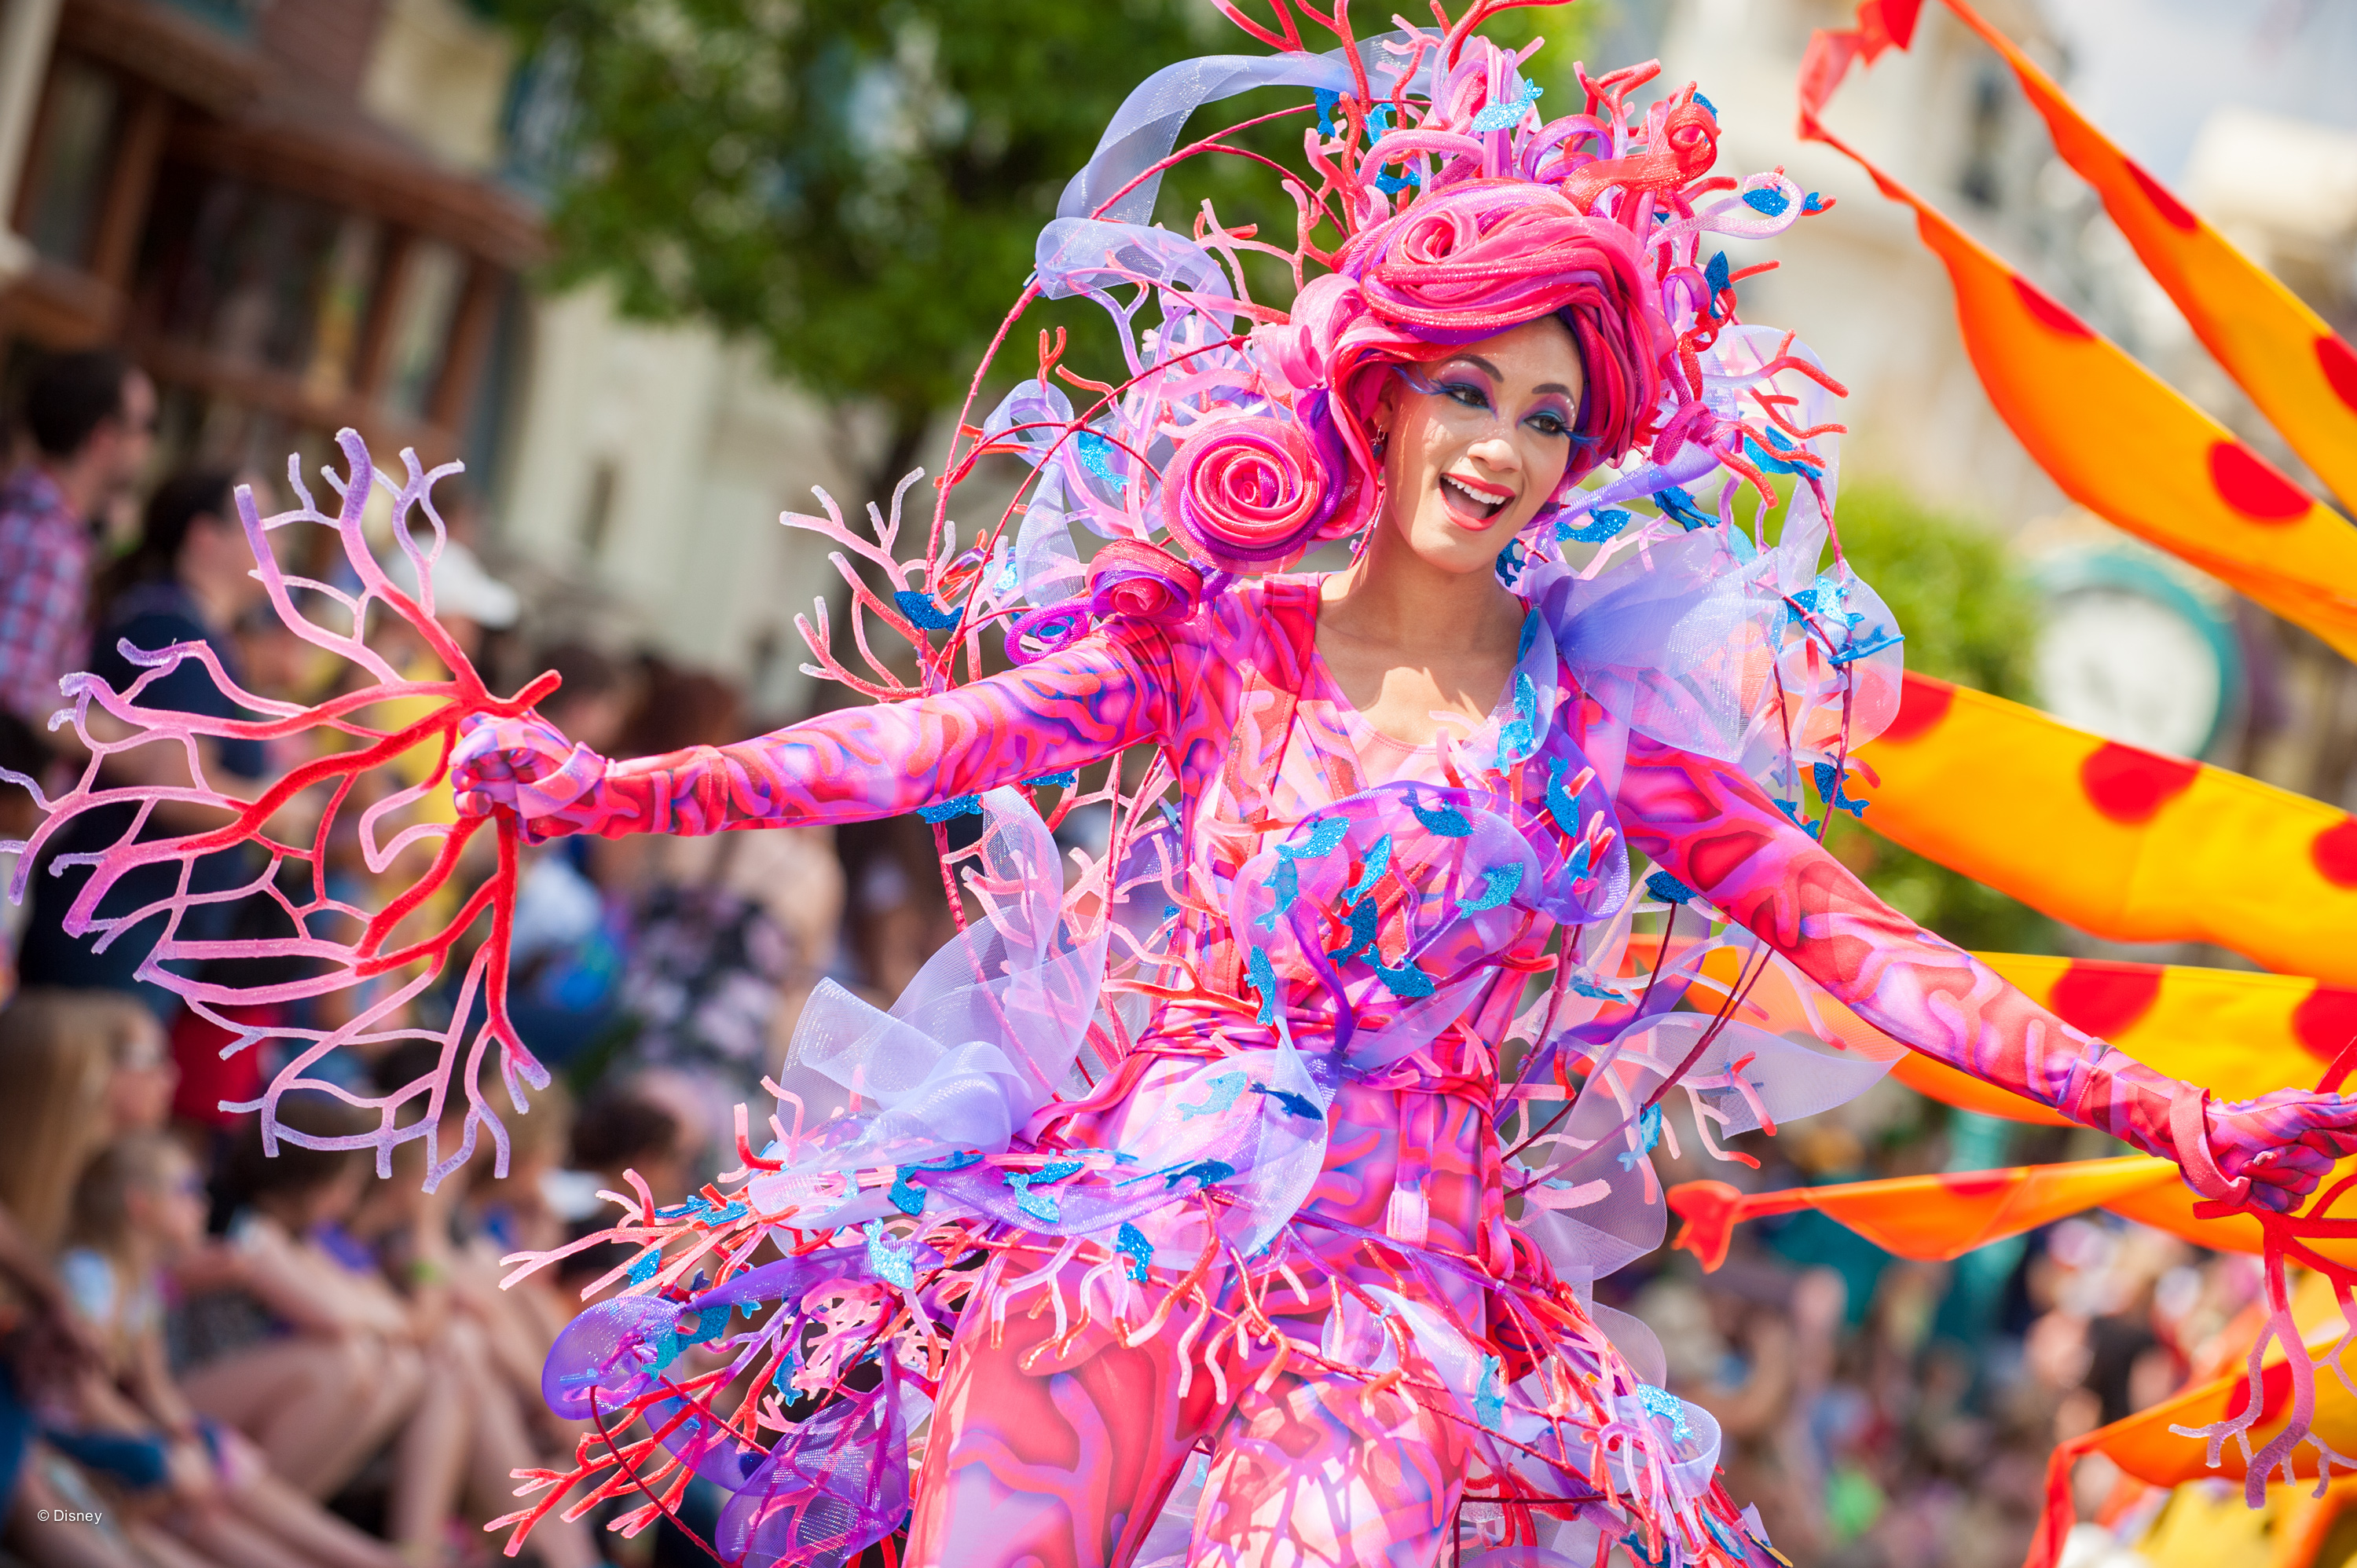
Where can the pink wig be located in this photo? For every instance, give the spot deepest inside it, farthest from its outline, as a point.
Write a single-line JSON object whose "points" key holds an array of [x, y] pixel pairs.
{"points": [[1461, 265]]}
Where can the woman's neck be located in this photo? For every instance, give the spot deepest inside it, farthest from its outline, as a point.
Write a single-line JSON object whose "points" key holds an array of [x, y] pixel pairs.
{"points": [[1393, 598], [136, 1258]]}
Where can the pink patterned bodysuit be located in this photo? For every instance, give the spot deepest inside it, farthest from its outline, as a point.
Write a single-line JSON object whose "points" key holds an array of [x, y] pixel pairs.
{"points": [[1057, 1443]]}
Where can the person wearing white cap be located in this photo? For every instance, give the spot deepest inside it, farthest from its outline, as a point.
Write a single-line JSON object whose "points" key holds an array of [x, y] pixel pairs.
{"points": [[468, 600]]}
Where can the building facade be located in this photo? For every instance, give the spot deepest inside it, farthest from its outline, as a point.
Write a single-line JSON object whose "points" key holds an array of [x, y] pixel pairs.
{"points": [[300, 215]]}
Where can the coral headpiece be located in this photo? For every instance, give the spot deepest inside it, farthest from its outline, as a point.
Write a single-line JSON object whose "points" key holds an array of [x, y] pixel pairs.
{"points": [[1438, 208]]}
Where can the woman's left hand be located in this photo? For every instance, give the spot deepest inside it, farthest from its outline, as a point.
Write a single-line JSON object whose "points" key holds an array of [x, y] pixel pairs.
{"points": [[2285, 1143], [526, 768]]}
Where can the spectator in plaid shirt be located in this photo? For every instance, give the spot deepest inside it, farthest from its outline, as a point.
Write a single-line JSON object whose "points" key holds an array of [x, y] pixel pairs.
{"points": [[91, 417]]}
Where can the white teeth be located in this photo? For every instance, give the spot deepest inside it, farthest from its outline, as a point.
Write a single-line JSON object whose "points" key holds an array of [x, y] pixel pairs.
{"points": [[1479, 499]]}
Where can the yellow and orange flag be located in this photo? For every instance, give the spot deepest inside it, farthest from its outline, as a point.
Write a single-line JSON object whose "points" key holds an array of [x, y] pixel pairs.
{"points": [[2123, 842], [2161, 849]]}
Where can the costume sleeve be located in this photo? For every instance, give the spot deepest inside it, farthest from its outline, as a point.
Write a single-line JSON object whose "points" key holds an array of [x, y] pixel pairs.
{"points": [[1111, 691], [1713, 829]]}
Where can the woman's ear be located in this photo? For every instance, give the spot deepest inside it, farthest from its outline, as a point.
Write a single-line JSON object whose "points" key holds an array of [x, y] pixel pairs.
{"points": [[1385, 413]]}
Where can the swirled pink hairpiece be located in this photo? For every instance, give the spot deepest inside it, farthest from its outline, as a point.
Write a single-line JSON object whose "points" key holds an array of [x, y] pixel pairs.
{"points": [[1248, 492], [1138, 580]]}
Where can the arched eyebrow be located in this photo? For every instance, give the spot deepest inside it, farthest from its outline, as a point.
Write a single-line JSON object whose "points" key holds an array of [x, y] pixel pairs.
{"points": [[1486, 368]]}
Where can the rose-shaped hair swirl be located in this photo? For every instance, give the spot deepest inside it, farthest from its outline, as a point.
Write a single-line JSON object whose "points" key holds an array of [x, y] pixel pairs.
{"points": [[1139, 582], [1249, 492]]}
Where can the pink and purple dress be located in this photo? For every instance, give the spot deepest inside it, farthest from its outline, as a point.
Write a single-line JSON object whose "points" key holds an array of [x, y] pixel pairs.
{"points": [[1218, 1171]]}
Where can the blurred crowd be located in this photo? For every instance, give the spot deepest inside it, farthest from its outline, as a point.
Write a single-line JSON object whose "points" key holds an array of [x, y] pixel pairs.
{"points": [[1891, 1414], [234, 1355]]}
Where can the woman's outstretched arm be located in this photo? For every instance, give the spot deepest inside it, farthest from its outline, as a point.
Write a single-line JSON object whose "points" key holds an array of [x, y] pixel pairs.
{"points": [[1108, 691], [1711, 828]]}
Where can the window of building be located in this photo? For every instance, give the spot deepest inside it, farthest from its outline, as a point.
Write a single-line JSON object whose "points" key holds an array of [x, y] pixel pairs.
{"points": [[73, 145]]}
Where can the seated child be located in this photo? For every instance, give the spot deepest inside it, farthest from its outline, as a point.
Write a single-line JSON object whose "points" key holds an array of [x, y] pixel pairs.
{"points": [[140, 1203]]}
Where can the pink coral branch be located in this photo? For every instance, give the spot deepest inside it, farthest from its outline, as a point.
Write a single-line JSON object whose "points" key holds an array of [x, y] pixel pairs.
{"points": [[334, 936]]}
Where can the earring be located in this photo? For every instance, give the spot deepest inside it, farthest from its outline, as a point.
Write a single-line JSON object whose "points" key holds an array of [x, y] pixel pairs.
{"points": [[1382, 444]]}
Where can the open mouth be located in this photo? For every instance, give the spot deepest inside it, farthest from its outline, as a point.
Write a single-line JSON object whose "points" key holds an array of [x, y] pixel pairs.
{"points": [[1472, 503]]}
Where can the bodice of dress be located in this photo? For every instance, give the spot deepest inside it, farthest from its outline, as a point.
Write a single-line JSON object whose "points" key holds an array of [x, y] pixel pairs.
{"points": [[1296, 749]]}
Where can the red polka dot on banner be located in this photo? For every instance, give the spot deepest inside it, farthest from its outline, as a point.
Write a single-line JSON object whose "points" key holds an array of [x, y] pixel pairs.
{"points": [[2339, 362], [2326, 1021], [2048, 310], [1923, 704], [2128, 784], [2175, 212], [2254, 486], [2104, 998], [1976, 1183], [2334, 851]]}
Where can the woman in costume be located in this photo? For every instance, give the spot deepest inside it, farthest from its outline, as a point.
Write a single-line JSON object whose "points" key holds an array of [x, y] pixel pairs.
{"points": [[1292, 1133]]}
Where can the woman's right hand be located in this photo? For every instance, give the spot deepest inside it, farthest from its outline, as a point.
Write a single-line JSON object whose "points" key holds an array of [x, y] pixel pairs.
{"points": [[526, 768]]}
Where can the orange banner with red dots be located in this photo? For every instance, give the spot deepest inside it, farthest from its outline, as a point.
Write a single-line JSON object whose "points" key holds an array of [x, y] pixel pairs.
{"points": [[2298, 372], [1933, 1217], [2124, 445], [1936, 1217], [2128, 844]]}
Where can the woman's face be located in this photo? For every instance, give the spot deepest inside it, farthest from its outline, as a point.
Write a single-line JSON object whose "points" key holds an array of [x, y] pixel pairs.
{"points": [[1477, 440], [139, 1092], [173, 1212]]}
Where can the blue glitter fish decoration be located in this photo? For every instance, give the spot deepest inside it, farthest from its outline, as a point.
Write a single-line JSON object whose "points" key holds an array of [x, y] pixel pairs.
{"points": [[1446, 821], [1561, 804], [1293, 1104], [1324, 839], [1500, 883], [887, 1261], [1602, 524], [1829, 787], [1676, 503], [1366, 923], [1264, 979], [1649, 1132], [1514, 112], [1224, 1091], [1130, 1242], [1668, 888], [924, 611], [1662, 1404], [1098, 455], [1207, 1173], [1379, 860], [1489, 1400]]}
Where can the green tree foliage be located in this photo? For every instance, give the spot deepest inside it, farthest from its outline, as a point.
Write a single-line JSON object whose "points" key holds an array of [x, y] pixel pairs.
{"points": [[859, 185], [1969, 617]]}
